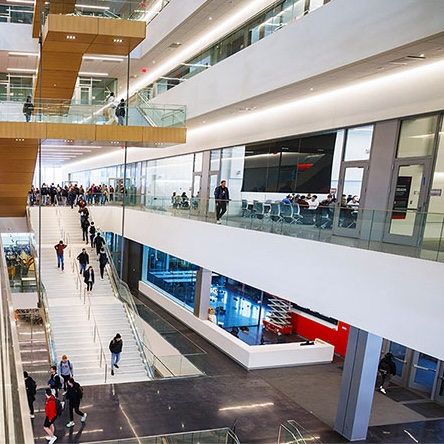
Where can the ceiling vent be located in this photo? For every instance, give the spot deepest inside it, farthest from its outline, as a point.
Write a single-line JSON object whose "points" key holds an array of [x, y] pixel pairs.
{"points": [[174, 45]]}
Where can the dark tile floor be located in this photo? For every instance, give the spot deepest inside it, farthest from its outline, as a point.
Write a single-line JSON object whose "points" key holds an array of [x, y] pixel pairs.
{"points": [[227, 396]]}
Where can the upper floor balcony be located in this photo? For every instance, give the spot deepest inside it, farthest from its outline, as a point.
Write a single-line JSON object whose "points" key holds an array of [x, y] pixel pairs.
{"points": [[401, 231]]}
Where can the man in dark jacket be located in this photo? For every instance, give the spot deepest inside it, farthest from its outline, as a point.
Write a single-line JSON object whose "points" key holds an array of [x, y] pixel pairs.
{"points": [[115, 347], [222, 196], [387, 369], [99, 241], [31, 390], [74, 396], [103, 260], [83, 259], [121, 112]]}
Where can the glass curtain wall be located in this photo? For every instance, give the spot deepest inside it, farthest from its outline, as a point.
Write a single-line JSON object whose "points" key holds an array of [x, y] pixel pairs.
{"points": [[175, 276]]}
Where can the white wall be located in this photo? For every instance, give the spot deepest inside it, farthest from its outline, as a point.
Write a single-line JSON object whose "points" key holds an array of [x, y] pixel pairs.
{"points": [[395, 297], [328, 39]]}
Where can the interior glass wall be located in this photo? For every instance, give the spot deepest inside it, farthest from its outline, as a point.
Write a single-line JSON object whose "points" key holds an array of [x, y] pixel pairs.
{"points": [[175, 276]]}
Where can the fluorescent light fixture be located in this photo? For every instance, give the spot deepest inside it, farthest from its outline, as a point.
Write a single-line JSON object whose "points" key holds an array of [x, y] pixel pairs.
{"points": [[105, 59], [102, 74], [22, 2], [21, 70], [71, 146], [24, 54], [103, 8]]}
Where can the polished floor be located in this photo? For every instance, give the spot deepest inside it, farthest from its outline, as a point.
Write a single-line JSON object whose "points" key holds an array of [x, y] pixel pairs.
{"points": [[253, 403]]}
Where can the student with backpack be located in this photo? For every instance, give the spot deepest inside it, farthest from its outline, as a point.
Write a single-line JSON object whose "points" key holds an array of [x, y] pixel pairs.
{"points": [[74, 395], [51, 415], [66, 370], [31, 390], [55, 381]]}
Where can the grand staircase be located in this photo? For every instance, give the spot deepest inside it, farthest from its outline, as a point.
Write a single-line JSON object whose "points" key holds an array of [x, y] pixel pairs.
{"points": [[82, 326]]}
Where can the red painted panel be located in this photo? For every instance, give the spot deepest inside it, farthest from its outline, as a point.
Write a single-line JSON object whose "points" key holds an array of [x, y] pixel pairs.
{"points": [[310, 329]]}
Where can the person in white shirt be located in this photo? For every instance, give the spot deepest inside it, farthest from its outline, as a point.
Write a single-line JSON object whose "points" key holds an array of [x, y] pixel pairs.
{"points": [[110, 107], [313, 203]]}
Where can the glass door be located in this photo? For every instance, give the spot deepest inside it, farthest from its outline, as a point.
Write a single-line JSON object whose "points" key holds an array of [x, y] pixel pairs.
{"points": [[423, 372], [350, 199], [213, 183], [439, 391], [401, 357], [405, 219]]}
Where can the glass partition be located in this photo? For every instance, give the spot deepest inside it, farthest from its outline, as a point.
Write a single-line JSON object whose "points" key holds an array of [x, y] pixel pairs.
{"points": [[416, 138], [54, 111], [175, 276]]}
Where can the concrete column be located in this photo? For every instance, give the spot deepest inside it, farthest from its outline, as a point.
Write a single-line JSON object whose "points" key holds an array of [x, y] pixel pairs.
{"points": [[202, 293], [358, 384]]}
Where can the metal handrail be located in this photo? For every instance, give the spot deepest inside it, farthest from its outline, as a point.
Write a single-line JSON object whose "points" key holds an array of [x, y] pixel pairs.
{"points": [[123, 293], [89, 306]]}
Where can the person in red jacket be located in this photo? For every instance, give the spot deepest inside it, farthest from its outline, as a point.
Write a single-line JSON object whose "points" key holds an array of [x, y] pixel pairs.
{"points": [[59, 250], [51, 415]]}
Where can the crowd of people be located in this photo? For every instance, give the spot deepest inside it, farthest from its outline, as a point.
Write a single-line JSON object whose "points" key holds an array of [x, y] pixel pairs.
{"points": [[61, 380], [54, 195]]}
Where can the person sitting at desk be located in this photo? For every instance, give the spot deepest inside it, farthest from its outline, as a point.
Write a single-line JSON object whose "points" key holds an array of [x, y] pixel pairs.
{"points": [[354, 202], [302, 202], [185, 200], [286, 200], [313, 203]]}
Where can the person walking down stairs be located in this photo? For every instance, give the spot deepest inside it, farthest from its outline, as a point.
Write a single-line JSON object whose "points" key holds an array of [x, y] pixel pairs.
{"points": [[103, 260], [115, 347], [88, 277]]}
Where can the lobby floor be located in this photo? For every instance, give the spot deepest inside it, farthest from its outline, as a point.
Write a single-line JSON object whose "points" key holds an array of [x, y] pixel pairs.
{"points": [[253, 403]]}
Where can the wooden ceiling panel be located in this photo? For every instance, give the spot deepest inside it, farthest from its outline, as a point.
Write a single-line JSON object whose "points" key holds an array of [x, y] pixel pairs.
{"points": [[54, 60], [19, 178], [16, 190], [61, 6], [15, 210], [16, 166]]}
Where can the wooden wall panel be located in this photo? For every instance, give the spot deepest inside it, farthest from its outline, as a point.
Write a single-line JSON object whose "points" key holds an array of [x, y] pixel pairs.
{"points": [[165, 135], [26, 130], [119, 133], [17, 166], [70, 131]]}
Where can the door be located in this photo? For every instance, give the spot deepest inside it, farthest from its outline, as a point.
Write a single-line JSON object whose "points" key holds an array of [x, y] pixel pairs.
{"points": [[350, 198], [212, 184], [423, 372], [407, 203], [401, 357], [439, 390], [196, 191]]}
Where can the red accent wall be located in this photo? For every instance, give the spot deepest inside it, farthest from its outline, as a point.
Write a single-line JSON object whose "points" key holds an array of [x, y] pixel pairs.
{"points": [[310, 329]]}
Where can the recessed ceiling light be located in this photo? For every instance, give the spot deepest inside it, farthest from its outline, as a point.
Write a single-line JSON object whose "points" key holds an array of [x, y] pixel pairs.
{"points": [[105, 59], [93, 74], [24, 54], [21, 70], [118, 40], [71, 37]]}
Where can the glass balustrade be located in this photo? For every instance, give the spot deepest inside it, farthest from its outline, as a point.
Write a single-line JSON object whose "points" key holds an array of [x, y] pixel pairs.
{"points": [[406, 233], [53, 111], [212, 436]]}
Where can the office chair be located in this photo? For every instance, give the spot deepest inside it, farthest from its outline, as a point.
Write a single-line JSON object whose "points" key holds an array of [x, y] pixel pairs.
{"points": [[275, 212]]}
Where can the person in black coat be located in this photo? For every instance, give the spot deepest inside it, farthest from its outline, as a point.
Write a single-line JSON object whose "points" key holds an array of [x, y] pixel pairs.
{"points": [[31, 390], [74, 395], [115, 347], [103, 260], [222, 196], [99, 242], [387, 369], [88, 277]]}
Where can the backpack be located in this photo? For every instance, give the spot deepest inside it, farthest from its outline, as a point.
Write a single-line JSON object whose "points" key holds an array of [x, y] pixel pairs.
{"points": [[80, 391], [59, 407], [118, 111]]}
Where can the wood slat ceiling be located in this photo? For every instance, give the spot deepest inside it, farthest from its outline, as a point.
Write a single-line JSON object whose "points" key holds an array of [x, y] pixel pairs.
{"points": [[61, 57], [16, 174]]}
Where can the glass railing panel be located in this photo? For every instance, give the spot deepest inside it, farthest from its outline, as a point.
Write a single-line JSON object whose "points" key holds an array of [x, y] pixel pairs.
{"points": [[14, 411], [293, 433], [212, 436], [413, 234], [54, 111], [21, 14], [113, 9]]}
